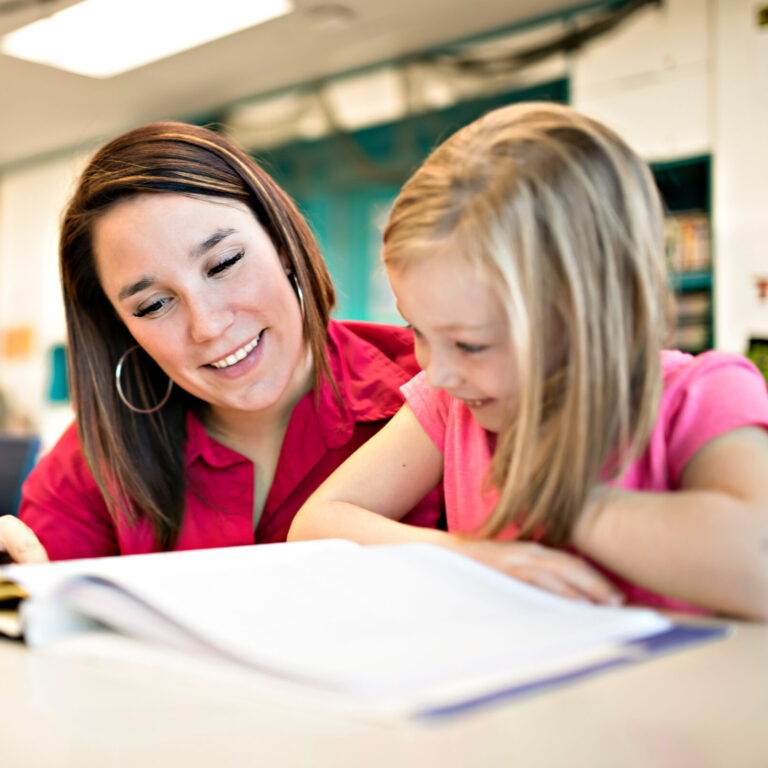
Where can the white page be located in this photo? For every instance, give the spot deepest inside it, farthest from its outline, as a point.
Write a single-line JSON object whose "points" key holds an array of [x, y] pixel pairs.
{"points": [[408, 623]]}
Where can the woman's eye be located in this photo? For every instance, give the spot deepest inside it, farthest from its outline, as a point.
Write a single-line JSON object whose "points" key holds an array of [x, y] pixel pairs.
{"points": [[151, 309], [225, 264]]}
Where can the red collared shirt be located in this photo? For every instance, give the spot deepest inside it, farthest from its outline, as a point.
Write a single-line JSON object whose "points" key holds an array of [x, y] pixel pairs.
{"points": [[369, 362]]}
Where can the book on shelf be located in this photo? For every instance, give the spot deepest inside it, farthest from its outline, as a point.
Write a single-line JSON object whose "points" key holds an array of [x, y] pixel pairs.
{"points": [[687, 241], [693, 306], [691, 338], [693, 331], [757, 352], [409, 629]]}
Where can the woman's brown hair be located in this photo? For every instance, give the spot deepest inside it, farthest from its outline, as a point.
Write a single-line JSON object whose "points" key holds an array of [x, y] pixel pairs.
{"points": [[138, 459]]}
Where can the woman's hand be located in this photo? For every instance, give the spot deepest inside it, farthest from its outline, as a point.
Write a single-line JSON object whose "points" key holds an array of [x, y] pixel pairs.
{"points": [[19, 542], [559, 572]]}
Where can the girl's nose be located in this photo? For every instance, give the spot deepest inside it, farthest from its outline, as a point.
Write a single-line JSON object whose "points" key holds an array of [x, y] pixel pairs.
{"points": [[208, 321], [441, 374]]}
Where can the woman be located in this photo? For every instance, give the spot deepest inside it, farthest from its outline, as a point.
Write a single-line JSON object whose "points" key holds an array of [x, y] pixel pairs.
{"points": [[212, 391]]}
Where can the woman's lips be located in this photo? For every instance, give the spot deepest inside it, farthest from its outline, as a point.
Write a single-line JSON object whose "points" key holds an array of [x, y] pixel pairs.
{"points": [[238, 355]]}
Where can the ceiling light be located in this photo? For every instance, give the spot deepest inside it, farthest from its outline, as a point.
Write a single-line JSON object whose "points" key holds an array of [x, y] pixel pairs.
{"points": [[330, 15], [102, 38]]}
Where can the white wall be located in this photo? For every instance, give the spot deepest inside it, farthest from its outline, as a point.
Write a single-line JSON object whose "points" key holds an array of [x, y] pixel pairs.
{"points": [[687, 79], [651, 80], [740, 171], [31, 201], [693, 79]]}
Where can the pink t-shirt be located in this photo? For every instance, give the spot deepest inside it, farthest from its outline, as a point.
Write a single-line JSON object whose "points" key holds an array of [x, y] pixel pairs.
{"points": [[704, 396]]}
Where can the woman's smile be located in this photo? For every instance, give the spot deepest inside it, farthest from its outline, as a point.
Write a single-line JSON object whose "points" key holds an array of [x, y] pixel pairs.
{"points": [[233, 358]]}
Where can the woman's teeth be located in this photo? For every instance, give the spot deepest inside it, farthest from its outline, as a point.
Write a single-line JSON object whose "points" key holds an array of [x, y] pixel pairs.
{"points": [[238, 355]]}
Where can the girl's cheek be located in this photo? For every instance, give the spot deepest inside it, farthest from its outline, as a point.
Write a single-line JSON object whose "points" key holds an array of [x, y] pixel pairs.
{"points": [[421, 357]]}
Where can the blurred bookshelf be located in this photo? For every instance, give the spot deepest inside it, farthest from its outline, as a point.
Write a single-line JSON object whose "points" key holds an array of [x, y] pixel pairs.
{"points": [[757, 352], [345, 184], [684, 185]]}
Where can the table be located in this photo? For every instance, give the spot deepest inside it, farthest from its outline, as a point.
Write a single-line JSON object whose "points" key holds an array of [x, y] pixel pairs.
{"points": [[112, 701]]}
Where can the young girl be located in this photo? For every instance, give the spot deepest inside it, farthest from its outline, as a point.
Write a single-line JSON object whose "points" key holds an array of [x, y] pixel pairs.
{"points": [[527, 254]]}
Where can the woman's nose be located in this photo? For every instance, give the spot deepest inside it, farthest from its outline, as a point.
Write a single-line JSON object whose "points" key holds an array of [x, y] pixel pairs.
{"points": [[208, 320]]}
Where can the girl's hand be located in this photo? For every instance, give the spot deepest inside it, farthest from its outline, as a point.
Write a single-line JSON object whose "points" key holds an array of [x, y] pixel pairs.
{"points": [[19, 543], [559, 572]]}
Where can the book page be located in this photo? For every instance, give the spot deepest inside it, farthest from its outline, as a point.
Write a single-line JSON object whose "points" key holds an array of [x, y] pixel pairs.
{"points": [[400, 623]]}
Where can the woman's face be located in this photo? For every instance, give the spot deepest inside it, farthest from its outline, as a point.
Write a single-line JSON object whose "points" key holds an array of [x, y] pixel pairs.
{"points": [[200, 286]]}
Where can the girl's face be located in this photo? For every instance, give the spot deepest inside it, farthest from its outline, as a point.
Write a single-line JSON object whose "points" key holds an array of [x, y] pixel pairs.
{"points": [[461, 333], [200, 286]]}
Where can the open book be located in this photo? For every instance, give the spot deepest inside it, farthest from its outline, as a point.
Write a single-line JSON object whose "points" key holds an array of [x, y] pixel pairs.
{"points": [[414, 628]]}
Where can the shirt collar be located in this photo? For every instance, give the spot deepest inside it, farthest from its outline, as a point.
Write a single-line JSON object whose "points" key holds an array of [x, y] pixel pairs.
{"points": [[368, 383], [201, 445]]}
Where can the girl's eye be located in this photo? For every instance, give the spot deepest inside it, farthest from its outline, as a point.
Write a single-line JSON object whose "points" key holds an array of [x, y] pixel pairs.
{"points": [[416, 331], [151, 309], [471, 348], [225, 264]]}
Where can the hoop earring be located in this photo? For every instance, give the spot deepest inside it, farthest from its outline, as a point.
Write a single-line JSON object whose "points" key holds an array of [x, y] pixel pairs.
{"points": [[121, 394]]}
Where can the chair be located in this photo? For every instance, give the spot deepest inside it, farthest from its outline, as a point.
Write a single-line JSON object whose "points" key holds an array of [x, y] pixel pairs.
{"points": [[18, 454]]}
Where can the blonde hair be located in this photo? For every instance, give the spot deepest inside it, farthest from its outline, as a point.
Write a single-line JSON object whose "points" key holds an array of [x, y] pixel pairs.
{"points": [[565, 221]]}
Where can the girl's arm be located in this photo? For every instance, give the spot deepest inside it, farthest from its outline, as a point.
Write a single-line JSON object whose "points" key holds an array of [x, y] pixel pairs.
{"points": [[367, 496], [373, 489], [707, 543]]}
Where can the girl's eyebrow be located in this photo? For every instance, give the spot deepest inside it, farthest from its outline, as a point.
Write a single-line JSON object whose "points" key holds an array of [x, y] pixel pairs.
{"points": [[452, 327], [202, 248], [461, 326]]}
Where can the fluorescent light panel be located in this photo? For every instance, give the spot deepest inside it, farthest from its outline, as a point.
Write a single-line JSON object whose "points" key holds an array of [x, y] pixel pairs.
{"points": [[102, 38]]}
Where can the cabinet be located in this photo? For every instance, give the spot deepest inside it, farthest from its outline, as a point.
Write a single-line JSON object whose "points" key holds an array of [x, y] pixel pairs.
{"points": [[685, 188]]}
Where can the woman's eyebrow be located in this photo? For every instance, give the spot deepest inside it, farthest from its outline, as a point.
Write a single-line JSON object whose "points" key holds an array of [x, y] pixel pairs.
{"points": [[204, 247], [212, 241], [133, 288]]}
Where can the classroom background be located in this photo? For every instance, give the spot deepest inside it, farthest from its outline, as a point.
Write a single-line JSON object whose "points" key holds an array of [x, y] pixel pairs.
{"points": [[342, 101]]}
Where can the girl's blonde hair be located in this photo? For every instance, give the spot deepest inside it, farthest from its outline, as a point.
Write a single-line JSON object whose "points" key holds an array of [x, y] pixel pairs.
{"points": [[565, 221]]}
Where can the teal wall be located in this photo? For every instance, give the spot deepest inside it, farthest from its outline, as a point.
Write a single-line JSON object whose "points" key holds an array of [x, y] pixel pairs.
{"points": [[345, 185]]}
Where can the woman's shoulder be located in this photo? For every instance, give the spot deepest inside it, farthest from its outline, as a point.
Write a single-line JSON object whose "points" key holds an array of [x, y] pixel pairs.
{"points": [[65, 459], [369, 363], [357, 337], [63, 505], [60, 481]]}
